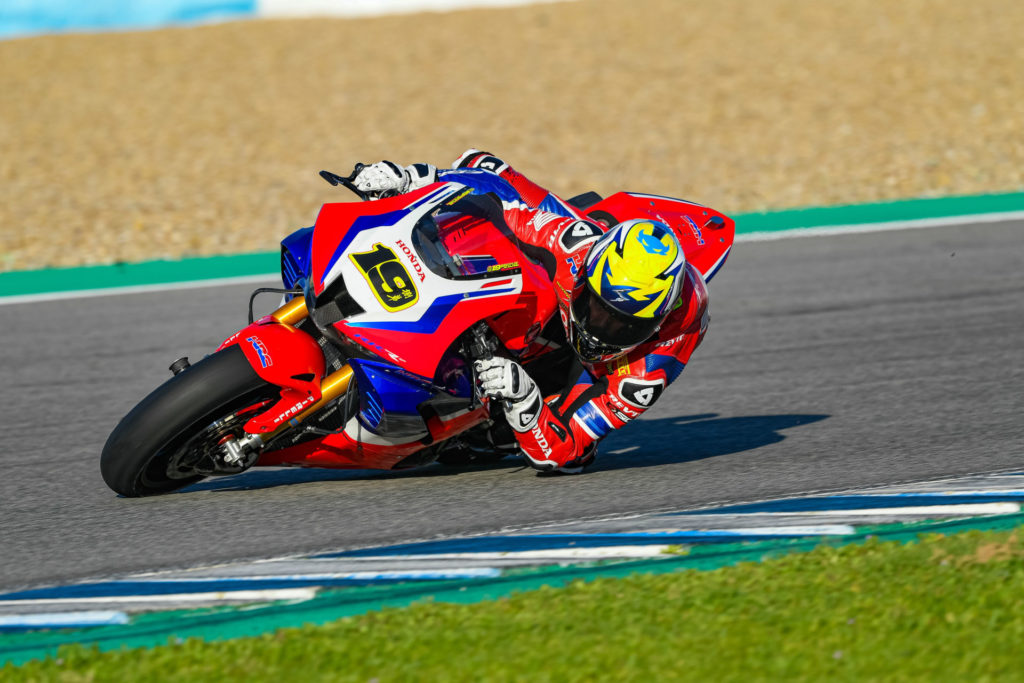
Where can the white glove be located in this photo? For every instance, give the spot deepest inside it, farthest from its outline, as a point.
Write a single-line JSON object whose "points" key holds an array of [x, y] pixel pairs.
{"points": [[381, 177], [505, 380], [388, 178]]}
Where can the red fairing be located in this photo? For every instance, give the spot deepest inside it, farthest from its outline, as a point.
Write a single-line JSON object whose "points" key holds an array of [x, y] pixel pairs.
{"points": [[285, 357], [343, 451], [334, 220], [705, 245]]}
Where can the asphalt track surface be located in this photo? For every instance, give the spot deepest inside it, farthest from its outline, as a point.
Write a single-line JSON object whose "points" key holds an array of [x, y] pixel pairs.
{"points": [[831, 362]]}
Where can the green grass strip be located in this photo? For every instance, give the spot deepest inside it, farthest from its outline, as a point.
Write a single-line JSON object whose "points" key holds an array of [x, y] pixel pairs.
{"points": [[156, 629], [142, 274], [943, 608], [155, 273]]}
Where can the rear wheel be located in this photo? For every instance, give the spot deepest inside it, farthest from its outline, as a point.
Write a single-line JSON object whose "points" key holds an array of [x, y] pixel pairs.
{"points": [[169, 440]]}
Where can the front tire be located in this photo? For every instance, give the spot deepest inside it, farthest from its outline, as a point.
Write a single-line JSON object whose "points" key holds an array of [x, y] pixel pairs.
{"points": [[153, 449]]}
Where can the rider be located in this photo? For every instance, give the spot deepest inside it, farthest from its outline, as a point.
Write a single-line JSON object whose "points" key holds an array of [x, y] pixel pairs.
{"points": [[631, 308]]}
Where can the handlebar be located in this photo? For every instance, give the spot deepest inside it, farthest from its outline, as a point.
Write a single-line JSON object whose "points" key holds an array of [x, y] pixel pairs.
{"points": [[346, 181]]}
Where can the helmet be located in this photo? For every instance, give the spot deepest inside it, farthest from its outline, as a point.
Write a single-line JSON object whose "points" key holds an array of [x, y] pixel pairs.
{"points": [[631, 279]]}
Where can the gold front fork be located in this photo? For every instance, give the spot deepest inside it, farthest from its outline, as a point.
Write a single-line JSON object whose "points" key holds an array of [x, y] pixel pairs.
{"points": [[331, 387], [292, 312]]}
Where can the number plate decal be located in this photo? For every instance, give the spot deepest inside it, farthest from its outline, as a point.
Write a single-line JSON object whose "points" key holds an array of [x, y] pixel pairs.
{"points": [[387, 277]]}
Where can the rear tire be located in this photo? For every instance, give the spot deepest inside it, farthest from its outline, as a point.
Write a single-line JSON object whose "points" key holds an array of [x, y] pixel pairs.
{"points": [[148, 451]]}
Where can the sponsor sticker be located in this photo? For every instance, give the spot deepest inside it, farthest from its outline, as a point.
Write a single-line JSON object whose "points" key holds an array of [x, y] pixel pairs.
{"points": [[538, 434], [261, 350], [641, 393], [694, 229], [575, 234], [416, 265], [458, 196]]}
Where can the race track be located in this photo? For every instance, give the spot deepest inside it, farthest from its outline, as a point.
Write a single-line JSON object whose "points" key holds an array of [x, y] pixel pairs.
{"points": [[831, 362]]}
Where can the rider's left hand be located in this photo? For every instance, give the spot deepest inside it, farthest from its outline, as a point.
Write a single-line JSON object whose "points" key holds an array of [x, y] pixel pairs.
{"points": [[386, 178], [382, 177], [505, 380]]}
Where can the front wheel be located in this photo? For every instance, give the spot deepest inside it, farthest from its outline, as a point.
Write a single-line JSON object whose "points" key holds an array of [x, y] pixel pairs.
{"points": [[169, 440]]}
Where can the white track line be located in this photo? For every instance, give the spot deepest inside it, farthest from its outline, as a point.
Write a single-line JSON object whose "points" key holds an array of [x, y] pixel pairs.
{"points": [[139, 289], [551, 554], [941, 510], [771, 235], [64, 619]]}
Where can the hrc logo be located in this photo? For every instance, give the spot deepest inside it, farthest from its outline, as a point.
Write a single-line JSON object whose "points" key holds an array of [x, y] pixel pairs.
{"points": [[387, 277], [261, 350]]}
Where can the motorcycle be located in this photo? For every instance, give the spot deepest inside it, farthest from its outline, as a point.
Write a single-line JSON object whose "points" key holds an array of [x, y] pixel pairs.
{"points": [[368, 362]]}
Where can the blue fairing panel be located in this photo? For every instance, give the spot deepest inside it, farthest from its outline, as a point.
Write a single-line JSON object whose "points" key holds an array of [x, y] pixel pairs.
{"points": [[386, 389], [296, 256]]}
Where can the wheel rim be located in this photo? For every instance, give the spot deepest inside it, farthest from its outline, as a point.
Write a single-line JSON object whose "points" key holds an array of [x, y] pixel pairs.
{"points": [[195, 457]]}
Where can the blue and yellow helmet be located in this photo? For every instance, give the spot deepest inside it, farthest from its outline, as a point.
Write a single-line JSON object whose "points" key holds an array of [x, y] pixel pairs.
{"points": [[632, 278]]}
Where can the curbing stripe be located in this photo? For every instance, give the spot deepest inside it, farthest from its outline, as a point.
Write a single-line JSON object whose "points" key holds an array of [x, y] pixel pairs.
{"points": [[58, 283], [84, 619], [229, 586], [242, 596], [154, 630], [559, 542], [843, 503]]}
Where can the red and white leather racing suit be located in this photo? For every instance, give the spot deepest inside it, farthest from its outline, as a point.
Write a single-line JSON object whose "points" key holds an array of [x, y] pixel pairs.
{"points": [[606, 396]]}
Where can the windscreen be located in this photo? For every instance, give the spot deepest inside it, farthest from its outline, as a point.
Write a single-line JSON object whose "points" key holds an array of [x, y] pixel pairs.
{"points": [[462, 238]]}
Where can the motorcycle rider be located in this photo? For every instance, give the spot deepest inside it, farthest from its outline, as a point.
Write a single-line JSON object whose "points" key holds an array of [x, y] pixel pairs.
{"points": [[632, 309]]}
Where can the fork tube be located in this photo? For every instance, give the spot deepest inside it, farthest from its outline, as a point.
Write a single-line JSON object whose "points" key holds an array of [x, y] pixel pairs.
{"points": [[292, 312]]}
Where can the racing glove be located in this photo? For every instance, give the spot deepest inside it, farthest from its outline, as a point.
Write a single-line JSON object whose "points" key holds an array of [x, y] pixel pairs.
{"points": [[505, 380], [386, 178]]}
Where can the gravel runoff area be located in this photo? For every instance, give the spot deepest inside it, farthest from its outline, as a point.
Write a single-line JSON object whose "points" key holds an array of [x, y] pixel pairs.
{"points": [[203, 140]]}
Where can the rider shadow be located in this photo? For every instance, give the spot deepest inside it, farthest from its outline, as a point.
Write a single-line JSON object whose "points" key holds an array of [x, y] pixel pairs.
{"points": [[647, 443], [687, 438]]}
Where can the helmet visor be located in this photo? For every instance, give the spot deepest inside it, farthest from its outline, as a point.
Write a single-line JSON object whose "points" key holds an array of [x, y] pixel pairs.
{"points": [[608, 326]]}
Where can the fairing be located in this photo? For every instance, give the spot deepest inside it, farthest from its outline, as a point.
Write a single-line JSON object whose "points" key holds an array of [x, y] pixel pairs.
{"points": [[706, 246]]}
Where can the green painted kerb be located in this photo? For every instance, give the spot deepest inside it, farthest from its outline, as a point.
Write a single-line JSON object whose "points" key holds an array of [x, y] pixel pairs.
{"points": [[879, 212], [149, 273]]}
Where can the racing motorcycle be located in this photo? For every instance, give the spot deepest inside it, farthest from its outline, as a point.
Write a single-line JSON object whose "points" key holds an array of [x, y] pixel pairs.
{"points": [[368, 362]]}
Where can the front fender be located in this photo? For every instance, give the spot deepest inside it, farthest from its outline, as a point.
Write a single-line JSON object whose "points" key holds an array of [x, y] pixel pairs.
{"points": [[281, 355]]}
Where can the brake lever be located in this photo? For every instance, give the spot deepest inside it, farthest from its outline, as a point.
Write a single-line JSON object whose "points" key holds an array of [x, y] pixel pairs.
{"points": [[346, 181]]}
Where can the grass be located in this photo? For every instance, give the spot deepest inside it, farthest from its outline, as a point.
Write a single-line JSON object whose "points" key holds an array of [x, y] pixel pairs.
{"points": [[944, 608]]}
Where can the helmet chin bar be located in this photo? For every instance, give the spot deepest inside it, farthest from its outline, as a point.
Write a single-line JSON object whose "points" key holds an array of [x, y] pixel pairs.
{"points": [[589, 349]]}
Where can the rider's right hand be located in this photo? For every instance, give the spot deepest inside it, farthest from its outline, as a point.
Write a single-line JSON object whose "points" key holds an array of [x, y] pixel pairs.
{"points": [[382, 178]]}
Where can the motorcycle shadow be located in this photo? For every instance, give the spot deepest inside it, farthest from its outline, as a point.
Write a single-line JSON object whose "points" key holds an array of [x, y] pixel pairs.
{"points": [[648, 443]]}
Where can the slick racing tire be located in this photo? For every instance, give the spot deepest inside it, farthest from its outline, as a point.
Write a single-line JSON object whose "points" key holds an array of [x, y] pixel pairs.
{"points": [[161, 444]]}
